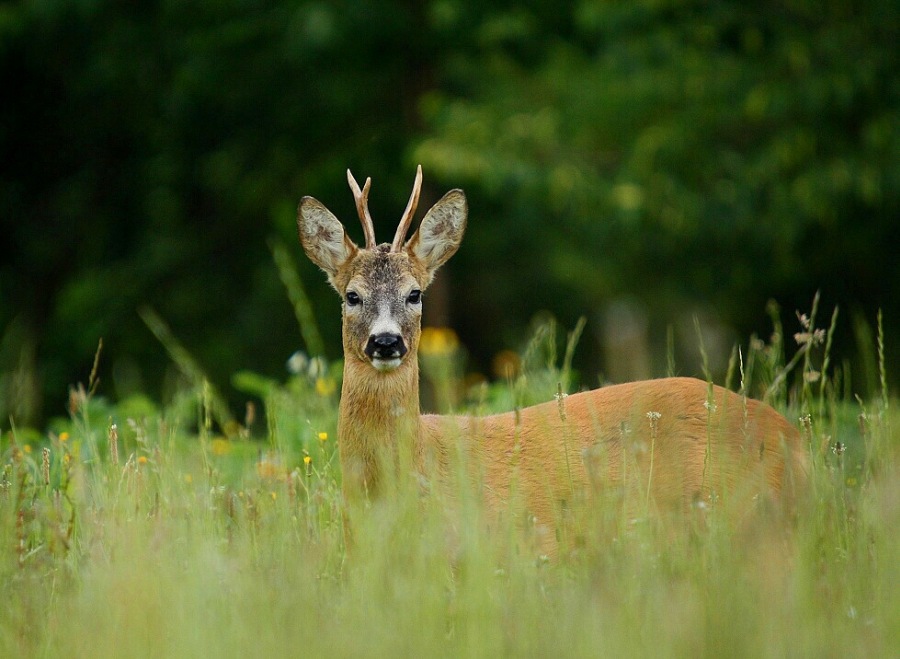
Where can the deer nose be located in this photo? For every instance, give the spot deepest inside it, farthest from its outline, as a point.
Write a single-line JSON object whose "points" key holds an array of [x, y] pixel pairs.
{"points": [[385, 346]]}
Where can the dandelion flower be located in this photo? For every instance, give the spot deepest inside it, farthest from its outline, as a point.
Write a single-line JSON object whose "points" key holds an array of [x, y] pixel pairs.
{"points": [[323, 436], [307, 460], [63, 436]]}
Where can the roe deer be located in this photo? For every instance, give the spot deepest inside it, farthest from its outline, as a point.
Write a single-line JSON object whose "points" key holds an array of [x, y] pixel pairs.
{"points": [[680, 442]]}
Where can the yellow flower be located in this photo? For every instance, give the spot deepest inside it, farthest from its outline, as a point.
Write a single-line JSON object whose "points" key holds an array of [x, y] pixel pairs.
{"points": [[325, 386], [142, 460], [438, 342], [220, 446], [323, 436], [307, 460], [27, 448], [268, 469], [63, 436]]}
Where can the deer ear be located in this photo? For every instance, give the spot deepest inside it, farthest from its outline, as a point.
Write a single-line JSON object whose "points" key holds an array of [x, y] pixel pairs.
{"points": [[441, 231], [323, 237]]}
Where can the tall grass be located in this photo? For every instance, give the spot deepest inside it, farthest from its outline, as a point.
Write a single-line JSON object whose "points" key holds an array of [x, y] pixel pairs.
{"points": [[200, 543]]}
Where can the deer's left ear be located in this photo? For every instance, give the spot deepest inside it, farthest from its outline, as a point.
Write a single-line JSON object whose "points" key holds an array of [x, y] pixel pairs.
{"points": [[441, 231]]}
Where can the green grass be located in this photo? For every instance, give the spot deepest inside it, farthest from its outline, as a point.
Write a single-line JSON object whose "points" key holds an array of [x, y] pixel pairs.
{"points": [[192, 543]]}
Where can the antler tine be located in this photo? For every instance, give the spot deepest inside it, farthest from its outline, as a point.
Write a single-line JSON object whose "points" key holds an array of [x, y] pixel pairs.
{"points": [[362, 208], [406, 220]]}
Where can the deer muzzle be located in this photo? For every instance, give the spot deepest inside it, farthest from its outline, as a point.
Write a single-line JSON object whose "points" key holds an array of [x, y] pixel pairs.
{"points": [[385, 350]]}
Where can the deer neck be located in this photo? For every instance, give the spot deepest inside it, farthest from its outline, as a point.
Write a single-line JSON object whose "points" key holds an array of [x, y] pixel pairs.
{"points": [[378, 420]]}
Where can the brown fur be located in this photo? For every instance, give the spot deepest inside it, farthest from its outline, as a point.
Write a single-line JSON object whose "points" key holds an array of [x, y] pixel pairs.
{"points": [[710, 448]]}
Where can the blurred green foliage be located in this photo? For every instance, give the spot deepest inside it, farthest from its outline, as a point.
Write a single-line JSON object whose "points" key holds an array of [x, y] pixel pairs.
{"points": [[683, 156]]}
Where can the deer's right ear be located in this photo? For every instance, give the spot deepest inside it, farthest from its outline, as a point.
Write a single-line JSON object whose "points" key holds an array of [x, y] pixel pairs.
{"points": [[323, 237]]}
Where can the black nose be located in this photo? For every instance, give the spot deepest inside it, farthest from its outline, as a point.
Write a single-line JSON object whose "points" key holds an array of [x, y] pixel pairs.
{"points": [[385, 346]]}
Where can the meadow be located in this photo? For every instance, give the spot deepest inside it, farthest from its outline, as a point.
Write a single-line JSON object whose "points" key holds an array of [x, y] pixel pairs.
{"points": [[133, 530]]}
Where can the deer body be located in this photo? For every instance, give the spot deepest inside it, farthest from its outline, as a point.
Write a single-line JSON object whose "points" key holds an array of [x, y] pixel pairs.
{"points": [[675, 441], [670, 444]]}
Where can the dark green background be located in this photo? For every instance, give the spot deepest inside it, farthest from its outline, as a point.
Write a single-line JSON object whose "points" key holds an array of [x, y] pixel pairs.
{"points": [[687, 157]]}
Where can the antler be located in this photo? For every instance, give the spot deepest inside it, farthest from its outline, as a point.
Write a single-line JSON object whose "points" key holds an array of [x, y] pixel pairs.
{"points": [[406, 220], [362, 207]]}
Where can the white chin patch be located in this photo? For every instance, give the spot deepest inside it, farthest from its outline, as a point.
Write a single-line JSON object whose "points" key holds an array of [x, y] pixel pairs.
{"points": [[386, 364]]}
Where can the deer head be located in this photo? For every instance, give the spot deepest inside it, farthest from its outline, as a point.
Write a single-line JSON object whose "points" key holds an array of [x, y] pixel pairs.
{"points": [[381, 285]]}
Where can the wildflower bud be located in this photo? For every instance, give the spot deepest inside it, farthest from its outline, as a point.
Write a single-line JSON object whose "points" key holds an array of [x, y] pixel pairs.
{"points": [[806, 422], [45, 465], [654, 422], [560, 401], [114, 444]]}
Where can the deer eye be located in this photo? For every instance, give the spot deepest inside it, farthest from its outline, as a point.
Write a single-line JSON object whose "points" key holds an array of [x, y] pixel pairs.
{"points": [[414, 297], [353, 298]]}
